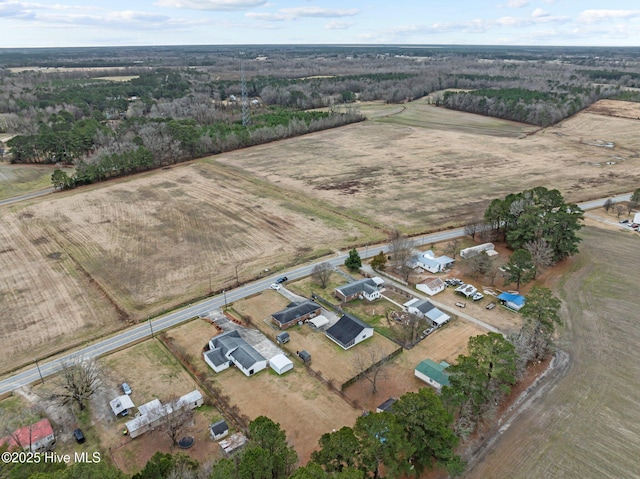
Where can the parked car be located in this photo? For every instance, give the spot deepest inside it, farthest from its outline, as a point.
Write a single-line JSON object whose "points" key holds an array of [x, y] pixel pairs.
{"points": [[126, 389], [460, 304], [623, 222], [79, 435], [477, 296], [281, 279], [275, 286]]}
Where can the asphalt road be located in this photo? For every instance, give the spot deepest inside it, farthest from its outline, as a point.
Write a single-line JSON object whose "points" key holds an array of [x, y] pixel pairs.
{"points": [[146, 329], [27, 196]]}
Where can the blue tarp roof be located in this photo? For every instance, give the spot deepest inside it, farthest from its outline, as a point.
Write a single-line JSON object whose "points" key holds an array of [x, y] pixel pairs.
{"points": [[513, 298]]}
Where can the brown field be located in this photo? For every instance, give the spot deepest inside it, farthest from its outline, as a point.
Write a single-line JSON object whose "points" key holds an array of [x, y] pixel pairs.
{"points": [[85, 262], [588, 424], [73, 260], [415, 169], [121, 78]]}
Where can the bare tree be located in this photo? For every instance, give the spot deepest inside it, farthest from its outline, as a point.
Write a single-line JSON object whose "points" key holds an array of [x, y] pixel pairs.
{"points": [[371, 364], [411, 328], [620, 210], [321, 273], [472, 229], [400, 249], [452, 248], [175, 419], [541, 254], [608, 204], [80, 379], [13, 420], [631, 205]]}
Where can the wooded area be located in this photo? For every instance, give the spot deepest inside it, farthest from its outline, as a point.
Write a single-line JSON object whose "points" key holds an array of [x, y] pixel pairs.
{"points": [[180, 103]]}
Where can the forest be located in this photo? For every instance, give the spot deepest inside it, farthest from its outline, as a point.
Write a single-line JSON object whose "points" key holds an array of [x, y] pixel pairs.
{"points": [[115, 111]]}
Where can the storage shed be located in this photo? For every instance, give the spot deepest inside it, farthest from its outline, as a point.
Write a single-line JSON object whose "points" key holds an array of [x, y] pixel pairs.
{"points": [[122, 405], [280, 364], [219, 430], [433, 373]]}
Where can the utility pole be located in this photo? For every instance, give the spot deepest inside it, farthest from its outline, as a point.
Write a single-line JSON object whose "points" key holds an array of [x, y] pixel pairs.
{"points": [[39, 372], [224, 293]]}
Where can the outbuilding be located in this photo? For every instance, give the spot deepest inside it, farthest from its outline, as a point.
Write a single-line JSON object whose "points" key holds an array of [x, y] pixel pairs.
{"points": [[122, 405], [219, 430], [512, 301], [280, 364]]}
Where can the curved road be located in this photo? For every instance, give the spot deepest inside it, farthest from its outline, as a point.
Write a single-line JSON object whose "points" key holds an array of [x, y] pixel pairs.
{"points": [[148, 328]]}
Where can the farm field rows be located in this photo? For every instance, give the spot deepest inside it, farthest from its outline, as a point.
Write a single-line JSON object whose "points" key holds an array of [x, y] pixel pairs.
{"points": [[87, 262], [588, 425], [77, 261], [415, 173]]}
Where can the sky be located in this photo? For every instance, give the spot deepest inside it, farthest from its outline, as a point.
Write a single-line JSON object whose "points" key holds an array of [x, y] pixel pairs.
{"points": [[74, 23]]}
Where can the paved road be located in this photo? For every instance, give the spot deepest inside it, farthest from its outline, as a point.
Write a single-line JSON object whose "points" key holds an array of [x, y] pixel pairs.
{"points": [[169, 320], [26, 196]]}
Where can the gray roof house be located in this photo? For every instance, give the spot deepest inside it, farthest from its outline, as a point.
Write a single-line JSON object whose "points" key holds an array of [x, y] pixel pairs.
{"points": [[424, 309], [295, 312], [230, 348], [349, 331], [367, 288]]}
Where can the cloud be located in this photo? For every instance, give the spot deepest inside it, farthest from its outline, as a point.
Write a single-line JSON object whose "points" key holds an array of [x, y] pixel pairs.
{"points": [[517, 3], [338, 25], [267, 17], [539, 13], [593, 16], [215, 5], [290, 14], [318, 12], [16, 10]]}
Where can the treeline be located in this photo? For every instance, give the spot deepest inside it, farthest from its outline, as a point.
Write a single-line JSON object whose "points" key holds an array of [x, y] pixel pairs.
{"points": [[154, 143], [537, 107]]}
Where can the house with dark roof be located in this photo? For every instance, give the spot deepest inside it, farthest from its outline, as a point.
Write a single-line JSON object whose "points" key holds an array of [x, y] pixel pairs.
{"points": [[349, 331], [433, 373], [37, 437], [230, 348], [424, 309], [386, 406], [295, 312], [367, 288]]}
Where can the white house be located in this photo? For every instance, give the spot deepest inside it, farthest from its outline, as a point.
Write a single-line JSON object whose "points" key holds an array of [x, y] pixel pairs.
{"points": [[367, 288], [431, 286], [151, 414], [229, 348], [349, 331], [429, 262], [424, 309], [280, 363], [636, 218], [219, 430], [474, 250], [433, 373]]}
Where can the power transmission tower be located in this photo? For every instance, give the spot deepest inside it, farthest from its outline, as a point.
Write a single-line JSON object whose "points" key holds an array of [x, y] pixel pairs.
{"points": [[244, 98]]}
